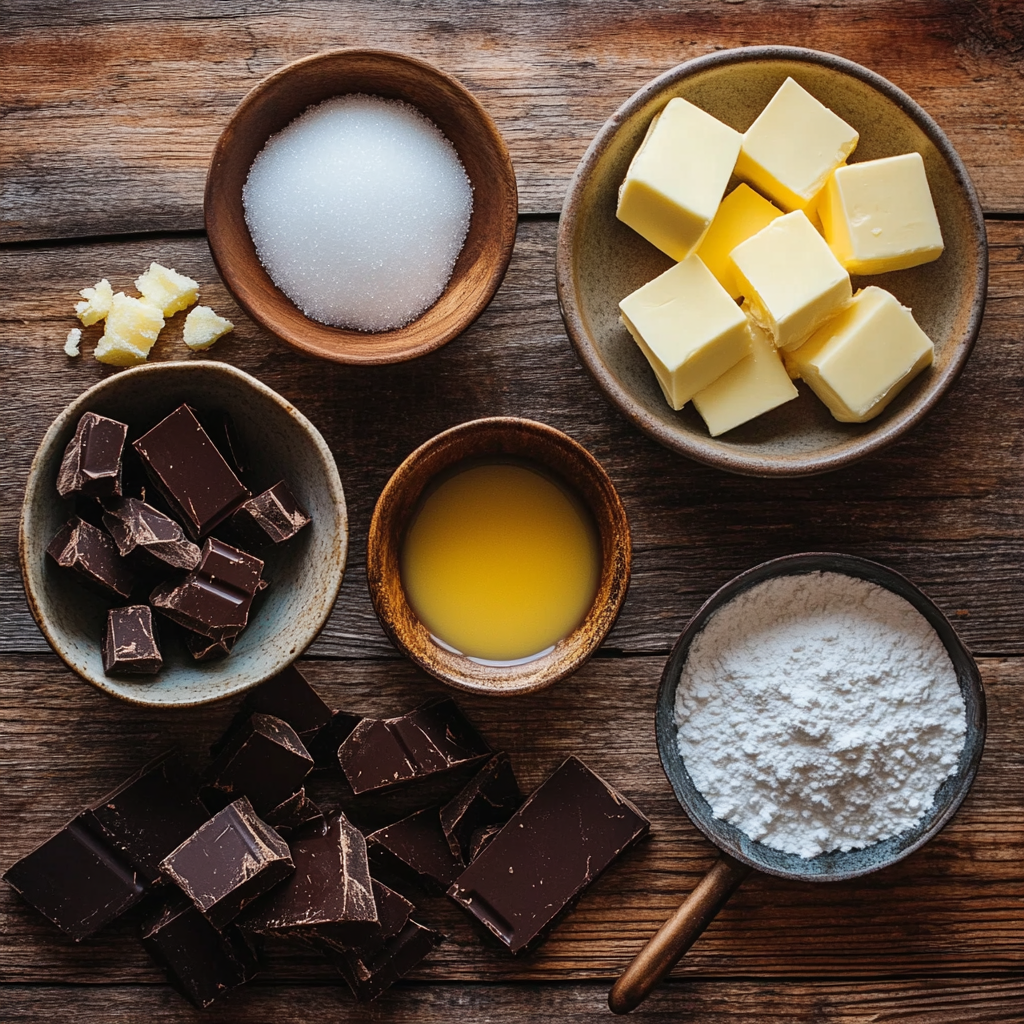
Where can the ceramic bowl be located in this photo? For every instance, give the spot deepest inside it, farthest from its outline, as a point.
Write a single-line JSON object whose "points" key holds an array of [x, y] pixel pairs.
{"points": [[304, 573], [277, 101], [600, 260], [503, 437]]}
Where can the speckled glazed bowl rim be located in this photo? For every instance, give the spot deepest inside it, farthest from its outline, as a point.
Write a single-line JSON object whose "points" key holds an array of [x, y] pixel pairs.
{"points": [[834, 866], [34, 483], [889, 429]]}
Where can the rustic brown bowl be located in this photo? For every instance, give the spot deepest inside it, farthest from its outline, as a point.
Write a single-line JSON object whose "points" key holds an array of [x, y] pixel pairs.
{"points": [[277, 101], [600, 260], [554, 452]]}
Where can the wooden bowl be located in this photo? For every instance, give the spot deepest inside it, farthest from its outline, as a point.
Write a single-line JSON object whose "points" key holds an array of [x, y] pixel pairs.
{"points": [[600, 260], [305, 573], [558, 454], [277, 101]]}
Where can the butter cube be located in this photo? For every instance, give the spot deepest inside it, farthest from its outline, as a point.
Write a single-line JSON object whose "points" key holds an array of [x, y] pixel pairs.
{"points": [[790, 279], [755, 385], [879, 216], [688, 328], [742, 213], [677, 178], [97, 303], [793, 146], [166, 289], [861, 360], [131, 330], [203, 327]]}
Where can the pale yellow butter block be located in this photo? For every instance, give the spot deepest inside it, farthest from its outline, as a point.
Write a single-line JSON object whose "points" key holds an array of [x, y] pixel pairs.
{"points": [[755, 385], [792, 147], [97, 303], [861, 360], [166, 289], [131, 331], [688, 327], [203, 327], [791, 280], [741, 214], [677, 178], [879, 216]]}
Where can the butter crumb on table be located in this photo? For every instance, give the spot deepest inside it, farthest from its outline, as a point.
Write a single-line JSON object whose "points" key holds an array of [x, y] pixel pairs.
{"points": [[203, 327], [131, 331], [74, 340], [97, 303], [166, 289]]}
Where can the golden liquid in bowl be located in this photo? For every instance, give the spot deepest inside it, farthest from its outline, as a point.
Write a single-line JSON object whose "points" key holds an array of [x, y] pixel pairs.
{"points": [[500, 562]]}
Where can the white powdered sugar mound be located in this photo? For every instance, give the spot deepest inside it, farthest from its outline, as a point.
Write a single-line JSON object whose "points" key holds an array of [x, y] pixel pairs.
{"points": [[819, 712]]}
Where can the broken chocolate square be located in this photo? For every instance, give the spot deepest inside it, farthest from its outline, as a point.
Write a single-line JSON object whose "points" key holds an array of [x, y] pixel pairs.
{"points": [[491, 797], [416, 848], [268, 518], [296, 814], [370, 974], [135, 525], [130, 642], [93, 555], [92, 460]]}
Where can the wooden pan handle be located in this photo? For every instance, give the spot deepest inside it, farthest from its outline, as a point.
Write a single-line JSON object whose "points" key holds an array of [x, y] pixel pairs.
{"points": [[677, 935]]}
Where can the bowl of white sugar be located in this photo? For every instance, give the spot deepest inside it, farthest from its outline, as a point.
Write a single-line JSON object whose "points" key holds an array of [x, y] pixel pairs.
{"points": [[361, 205]]}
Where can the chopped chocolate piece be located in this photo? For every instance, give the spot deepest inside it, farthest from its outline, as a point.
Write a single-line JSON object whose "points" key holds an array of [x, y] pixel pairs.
{"points": [[149, 815], [221, 430], [265, 761], [76, 881], [268, 518], [202, 648], [323, 747], [130, 642], [479, 840], [297, 813], [92, 460], [93, 555], [370, 974], [289, 696], [436, 737], [416, 848], [491, 797], [134, 524], [201, 962], [540, 863], [228, 862], [190, 472]]}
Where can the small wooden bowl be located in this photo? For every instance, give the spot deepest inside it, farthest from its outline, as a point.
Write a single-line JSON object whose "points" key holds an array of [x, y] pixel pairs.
{"points": [[553, 451], [277, 101]]}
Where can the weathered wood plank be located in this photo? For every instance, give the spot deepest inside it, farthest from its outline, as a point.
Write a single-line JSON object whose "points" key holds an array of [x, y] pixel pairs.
{"points": [[954, 906], [111, 110]]}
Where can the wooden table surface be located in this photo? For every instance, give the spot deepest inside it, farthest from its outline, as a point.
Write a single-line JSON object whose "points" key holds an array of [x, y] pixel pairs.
{"points": [[109, 114]]}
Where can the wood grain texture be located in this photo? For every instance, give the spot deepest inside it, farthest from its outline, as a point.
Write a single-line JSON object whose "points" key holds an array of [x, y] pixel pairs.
{"points": [[121, 141]]}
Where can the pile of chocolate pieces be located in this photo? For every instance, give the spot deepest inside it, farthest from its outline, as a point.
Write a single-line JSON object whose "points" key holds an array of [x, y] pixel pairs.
{"points": [[122, 545], [244, 857]]}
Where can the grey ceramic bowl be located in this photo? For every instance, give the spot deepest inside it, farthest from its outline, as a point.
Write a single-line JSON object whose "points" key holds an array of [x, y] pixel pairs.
{"points": [[600, 260], [305, 573]]}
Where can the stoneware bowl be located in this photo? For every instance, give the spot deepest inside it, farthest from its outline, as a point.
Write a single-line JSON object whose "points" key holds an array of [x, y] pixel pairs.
{"points": [[277, 101], [304, 573], [505, 437], [600, 260]]}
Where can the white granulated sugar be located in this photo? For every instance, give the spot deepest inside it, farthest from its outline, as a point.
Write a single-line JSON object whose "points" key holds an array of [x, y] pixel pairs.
{"points": [[358, 210], [819, 712]]}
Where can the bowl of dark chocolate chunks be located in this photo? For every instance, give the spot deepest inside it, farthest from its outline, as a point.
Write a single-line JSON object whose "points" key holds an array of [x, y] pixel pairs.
{"points": [[219, 868], [183, 535]]}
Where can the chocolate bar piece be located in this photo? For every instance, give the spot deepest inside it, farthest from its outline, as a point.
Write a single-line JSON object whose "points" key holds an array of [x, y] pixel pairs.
{"points": [[554, 846], [202, 648], [92, 460], [201, 962], [323, 747], [190, 472], [264, 761], [436, 737], [268, 518], [370, 974], [135, 525], [130, 642], [416, 848], [491, 797], [228, 862], [76, 880], [93, 555], [297, 813]]}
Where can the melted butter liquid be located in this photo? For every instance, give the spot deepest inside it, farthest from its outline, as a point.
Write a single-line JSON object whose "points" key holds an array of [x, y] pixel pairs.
{"points": [[500, 562]]}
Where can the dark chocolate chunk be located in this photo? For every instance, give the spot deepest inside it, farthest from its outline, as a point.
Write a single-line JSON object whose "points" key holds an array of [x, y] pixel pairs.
{"points": [[135, 525], [436, 737], [289, 696], [554, 846], [479, 840], [92, 460], [416, 848], [228, 862], [265, 761], [268, 518], [491, 797], [202, 963], [149, 815], [323, 747], [76, 880], [370, 974], [190, 472], [296, 814], [203, 648], [93, 555], [130, 642]]}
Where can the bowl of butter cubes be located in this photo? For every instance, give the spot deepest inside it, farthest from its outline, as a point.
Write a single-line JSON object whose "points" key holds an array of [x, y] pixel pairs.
{"points": [[772, 260]]}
